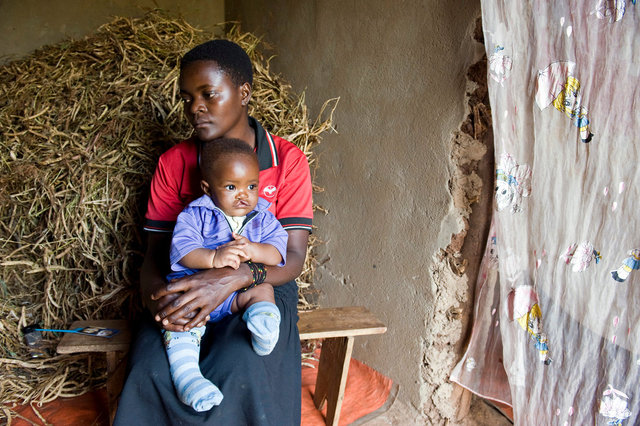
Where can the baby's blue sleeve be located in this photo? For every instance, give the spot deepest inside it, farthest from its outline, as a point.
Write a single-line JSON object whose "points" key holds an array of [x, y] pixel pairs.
{"points": [[187, 236]]}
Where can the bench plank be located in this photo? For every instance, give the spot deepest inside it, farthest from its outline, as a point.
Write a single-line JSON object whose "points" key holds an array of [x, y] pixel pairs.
{"points": [[338, 322], [73, 343]]}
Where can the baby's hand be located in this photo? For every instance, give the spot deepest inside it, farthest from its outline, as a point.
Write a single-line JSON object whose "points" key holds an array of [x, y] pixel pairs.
{"points": [[243, 244], [228, 256]]}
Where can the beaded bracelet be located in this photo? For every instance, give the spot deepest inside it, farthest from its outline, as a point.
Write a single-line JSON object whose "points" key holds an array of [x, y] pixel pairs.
{"points": [[259, 273]]}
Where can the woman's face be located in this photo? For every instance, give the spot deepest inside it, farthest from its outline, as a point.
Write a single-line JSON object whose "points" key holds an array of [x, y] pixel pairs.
{"points": [[214, 106]]}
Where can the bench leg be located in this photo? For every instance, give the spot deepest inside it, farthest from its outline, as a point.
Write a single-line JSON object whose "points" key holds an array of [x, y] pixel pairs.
{"points": [[332, 376], [116, 366]]}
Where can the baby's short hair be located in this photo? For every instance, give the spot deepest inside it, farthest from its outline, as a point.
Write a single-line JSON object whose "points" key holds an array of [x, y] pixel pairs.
{"points": [[230, 57], [214, 150]]}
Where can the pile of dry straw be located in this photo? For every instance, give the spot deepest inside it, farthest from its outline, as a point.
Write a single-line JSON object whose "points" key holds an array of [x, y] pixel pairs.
{"points": [[83, 124]]}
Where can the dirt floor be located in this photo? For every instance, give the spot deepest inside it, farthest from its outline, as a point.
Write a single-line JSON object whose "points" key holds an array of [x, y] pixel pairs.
{"points": [[480, 414]]}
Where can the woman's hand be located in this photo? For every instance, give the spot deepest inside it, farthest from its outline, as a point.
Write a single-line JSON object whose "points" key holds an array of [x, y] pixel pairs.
{"points": [[198, 294], [185, 303]]}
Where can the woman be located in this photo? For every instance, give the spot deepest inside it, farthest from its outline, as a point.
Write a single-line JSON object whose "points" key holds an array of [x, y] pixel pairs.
{"points": [[215, 86]]}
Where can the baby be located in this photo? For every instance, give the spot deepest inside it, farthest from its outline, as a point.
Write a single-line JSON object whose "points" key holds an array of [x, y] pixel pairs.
{"points": [[228, 225]]}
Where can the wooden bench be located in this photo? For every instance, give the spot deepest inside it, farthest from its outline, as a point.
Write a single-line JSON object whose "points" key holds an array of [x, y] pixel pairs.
{"points": [[336, 326]]}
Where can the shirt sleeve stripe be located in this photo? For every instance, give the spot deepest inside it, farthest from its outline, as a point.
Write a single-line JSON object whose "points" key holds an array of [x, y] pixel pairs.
{"points": [[158, 225], [291, 223], [160, 231], [304, 228], [295, 221]]}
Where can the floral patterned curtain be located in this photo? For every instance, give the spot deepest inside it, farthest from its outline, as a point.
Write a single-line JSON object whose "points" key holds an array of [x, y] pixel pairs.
{"points": [[557, 320]]}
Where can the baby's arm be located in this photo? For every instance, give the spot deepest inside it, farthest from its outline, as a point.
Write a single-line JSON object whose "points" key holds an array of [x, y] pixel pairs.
{"points": [[188, 246], [200, 258], [203, 258], [265, 253], [270, 247]]}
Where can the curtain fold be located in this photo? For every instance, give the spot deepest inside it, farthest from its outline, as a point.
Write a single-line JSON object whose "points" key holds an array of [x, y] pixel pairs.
{"points": [[557, 319]]}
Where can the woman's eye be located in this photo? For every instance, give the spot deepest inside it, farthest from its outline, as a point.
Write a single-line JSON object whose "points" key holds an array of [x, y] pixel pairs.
{"points": [[209, 95], [185, 100], [230, 187]]}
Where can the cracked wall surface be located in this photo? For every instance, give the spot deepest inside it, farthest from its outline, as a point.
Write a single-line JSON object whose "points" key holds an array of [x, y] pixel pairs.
{"points": [[455, 267]]}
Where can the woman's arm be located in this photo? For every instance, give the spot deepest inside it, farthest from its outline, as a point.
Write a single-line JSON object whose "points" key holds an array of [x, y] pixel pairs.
{"points": [[296, 254], [154, 269], [201, 293]]}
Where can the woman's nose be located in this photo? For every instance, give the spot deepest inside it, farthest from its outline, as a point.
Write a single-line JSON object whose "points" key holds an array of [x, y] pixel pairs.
{"points": [[197, 106]]}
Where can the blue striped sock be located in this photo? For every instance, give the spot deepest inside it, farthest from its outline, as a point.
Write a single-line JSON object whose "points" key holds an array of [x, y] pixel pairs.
{"points": [[263, 320], [183, 351]]}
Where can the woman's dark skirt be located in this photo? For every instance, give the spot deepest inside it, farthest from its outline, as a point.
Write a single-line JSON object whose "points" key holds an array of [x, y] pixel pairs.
{"points": [[257, 390]]}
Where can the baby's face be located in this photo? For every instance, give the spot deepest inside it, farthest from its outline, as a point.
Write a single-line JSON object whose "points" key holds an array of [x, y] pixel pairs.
{"points": [[233, 186]]}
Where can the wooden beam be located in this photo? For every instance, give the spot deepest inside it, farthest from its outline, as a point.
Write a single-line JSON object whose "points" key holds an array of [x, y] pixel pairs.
{"points": [[338, 322]]}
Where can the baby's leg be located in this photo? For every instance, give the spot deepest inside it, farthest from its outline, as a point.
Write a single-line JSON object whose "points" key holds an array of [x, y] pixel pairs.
{"points": [[183, 351], [262, 317]]}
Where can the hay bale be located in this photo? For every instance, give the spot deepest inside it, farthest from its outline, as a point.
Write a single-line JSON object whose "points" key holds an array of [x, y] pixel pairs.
{"points": [[83, 125]]}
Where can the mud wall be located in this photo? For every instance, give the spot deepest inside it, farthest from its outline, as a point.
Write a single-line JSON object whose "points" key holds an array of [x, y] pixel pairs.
{"points": [[398, 176]]}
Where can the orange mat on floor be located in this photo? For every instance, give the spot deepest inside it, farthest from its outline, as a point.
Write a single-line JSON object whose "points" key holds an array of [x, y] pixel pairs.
{"points": [[366, 391], [87, 409]]}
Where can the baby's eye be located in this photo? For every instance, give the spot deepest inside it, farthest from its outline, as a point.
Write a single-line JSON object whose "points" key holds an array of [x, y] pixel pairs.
{"points": [[253, 187], [230, 187]]}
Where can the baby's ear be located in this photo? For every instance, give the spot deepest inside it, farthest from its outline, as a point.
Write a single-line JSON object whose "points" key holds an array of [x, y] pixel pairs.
{"points": [[205, 187]]}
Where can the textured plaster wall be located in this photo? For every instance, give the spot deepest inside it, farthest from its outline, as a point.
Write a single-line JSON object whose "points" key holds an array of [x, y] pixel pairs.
{"points": [[399, 68], [26, 25]]}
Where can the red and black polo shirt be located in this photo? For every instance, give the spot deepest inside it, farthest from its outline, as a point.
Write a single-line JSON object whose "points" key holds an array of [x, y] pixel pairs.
{"points": [[285, 181]]}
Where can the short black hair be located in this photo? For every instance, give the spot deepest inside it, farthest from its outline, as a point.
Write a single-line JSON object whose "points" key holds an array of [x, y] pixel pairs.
{"points": [[214, 150], [230, 57]]}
